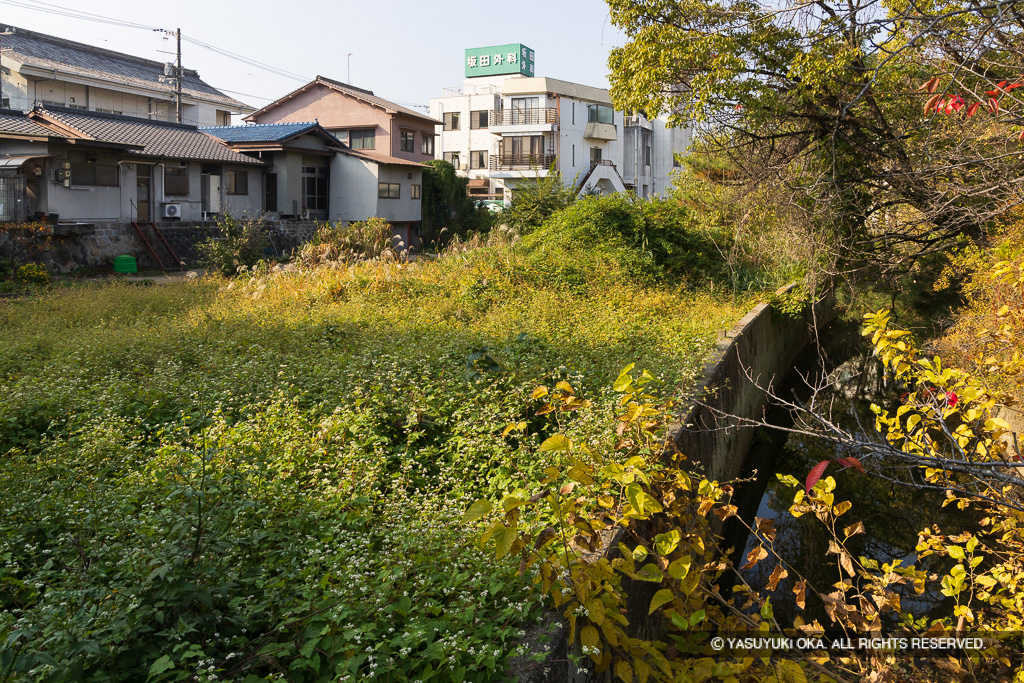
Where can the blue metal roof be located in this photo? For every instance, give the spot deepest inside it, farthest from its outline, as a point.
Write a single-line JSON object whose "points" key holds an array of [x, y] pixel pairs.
{"points": [[260, 132]]}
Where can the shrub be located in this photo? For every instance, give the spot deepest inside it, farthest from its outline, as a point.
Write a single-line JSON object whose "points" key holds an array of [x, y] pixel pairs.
{"points": [[533, 202], [242, 242], [35, 273]]}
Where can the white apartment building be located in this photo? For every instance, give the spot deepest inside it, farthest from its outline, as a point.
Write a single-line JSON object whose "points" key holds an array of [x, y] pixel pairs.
{"points": [[504, 127]]}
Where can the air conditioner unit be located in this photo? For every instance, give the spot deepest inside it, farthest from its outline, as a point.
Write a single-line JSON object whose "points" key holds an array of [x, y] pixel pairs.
{"points": [[171, 211]]}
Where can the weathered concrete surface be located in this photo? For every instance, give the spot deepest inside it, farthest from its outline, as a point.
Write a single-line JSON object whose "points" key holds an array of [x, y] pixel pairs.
{"points": [[751, 358]]}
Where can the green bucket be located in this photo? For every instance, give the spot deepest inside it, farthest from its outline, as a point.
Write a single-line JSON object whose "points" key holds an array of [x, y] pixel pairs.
{"points": [[125, 264]]}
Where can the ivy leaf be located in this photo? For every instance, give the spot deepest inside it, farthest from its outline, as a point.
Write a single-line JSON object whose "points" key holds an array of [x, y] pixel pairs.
{"points": [[815, 474]]}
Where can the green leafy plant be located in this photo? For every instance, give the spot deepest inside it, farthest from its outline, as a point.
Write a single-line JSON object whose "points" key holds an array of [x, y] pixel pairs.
{"points": [[241, 242]]}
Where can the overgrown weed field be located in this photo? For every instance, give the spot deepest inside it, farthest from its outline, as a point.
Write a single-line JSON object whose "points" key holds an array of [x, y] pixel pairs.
{"points": [[263, 478]]}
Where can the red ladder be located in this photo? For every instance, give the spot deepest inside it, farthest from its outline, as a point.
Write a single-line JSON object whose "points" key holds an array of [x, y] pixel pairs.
{"points": [[149, 245]]}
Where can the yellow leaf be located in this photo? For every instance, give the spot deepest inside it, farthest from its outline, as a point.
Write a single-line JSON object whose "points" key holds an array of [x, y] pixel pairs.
{"points": [[589, 637], [660, 598], [558, 442], [477, 510], [790, 672], [538, 392], [512, 426], [624, 671]]}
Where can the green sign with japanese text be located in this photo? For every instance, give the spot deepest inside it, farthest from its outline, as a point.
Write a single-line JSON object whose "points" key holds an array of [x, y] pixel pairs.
{"points": [[499, 60]]}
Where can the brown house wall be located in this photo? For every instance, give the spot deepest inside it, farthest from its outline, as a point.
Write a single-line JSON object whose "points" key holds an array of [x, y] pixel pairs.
{"points": [[335, 111]]}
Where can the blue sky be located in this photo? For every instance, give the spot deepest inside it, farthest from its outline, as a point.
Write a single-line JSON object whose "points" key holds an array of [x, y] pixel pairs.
{"points": [[402, 50]]}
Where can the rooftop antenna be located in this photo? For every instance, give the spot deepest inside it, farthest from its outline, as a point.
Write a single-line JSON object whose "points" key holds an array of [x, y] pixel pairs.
{"points": [[348, 78]]}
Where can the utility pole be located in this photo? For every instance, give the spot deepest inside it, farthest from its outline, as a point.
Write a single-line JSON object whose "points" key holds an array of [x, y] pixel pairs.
{"points": [[5, 33], [177, 81]]}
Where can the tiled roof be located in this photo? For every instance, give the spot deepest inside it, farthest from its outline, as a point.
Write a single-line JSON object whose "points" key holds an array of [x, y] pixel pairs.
{"points": [[49, 52], [262, 132], [157, 138], [352, 91], [14, 122], [377, 157]]}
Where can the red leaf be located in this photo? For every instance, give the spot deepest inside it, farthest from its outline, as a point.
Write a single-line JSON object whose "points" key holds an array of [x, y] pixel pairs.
{"points": [[993, 104], [956, 104], [991, 93], [951, 399], [1000, 84], [1011, 87], [1021, 136], [973, 108], [851, 462], [815, 474]]}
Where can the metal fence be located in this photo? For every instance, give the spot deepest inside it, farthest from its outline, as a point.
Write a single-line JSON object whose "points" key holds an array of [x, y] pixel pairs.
{"points": [[12, 199]]}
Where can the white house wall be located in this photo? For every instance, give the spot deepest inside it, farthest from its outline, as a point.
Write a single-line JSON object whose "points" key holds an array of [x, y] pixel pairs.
{"points": [[405, 208], [249, 204], [353, 189]]}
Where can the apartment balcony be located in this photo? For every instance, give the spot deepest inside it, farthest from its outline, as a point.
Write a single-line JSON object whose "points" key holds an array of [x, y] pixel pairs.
{"points": [[521, 162], [542, 119], [638, 122]]}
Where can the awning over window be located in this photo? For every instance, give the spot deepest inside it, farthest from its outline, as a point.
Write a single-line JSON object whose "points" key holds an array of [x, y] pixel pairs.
{"points": [[14, 162], [477, 182]]}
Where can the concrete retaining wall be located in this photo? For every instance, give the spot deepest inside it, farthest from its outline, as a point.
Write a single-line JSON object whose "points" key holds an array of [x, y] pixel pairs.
{"points": [[751, 357]]}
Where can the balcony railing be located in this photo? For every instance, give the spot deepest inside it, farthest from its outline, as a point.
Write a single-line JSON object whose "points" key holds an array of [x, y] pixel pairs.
{"points": [[522, 117], [521, 162]]}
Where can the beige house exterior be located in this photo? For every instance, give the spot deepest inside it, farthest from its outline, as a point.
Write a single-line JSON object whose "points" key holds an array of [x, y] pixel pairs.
{"points": [[357, 117]]}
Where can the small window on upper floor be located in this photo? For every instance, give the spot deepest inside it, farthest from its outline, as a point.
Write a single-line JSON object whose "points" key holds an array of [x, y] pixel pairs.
{"points": [[599, 113], [408, 141], [362, 139], [428, 144], [478, 119], [451, 120]]}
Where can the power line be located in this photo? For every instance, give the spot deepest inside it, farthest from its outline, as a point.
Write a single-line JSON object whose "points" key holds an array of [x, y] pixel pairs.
{"points": [[50, 8], [78, 14], [246, 60]]}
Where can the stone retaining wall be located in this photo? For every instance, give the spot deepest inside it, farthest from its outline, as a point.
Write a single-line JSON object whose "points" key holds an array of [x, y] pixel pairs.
{"points": [[74, 245]]}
